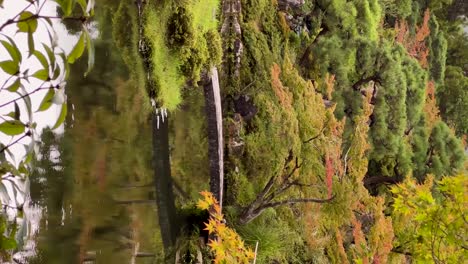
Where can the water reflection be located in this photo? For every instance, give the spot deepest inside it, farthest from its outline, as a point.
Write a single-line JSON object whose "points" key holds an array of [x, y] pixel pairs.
{"points": [[85, 180]]}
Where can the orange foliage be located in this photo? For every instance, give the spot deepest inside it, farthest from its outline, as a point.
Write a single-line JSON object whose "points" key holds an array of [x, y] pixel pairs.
{"points": [[430, 105], [341, 249], [227, 245], [281, 92], [329, 83], [415, 45], [359, 240]]}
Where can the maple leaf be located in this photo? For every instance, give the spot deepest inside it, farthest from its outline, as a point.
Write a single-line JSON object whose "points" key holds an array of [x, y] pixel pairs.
{"points": [[203, 205], [210, 227]]}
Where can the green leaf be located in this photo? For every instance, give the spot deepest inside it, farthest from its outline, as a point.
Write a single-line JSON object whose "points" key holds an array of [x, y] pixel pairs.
{"points": [[82, 4], [30, 43], [26, 100], [14, 86], [17, 112], [47, 100], [42, 74], [11, 114], [28, 22], [78, 49], [66, 5], [63, 114], [2, 153], [56, 73], [67, 66], [12, 127], [90, 46], [10, 67], [8, 243], [12, 50], [51, 56], [42, 59]]}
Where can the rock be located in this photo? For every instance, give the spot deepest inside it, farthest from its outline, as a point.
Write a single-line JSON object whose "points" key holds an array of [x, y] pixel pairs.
{"points": [[245, 107], [235, 141]]}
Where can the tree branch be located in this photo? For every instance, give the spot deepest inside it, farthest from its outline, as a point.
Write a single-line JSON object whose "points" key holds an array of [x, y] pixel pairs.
{"points": [[27, 134], [23, 96], [374, 78], [294, 201], [315, 137]]}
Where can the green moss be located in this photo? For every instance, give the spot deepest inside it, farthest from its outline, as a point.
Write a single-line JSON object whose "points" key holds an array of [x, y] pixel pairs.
{"points": [[165, 66], [182, 38]]}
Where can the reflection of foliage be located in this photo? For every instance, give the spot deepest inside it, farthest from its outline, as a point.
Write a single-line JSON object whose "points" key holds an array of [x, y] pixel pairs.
{"points": [[24, 80], [225, 243], [7, 238], [51, 74], [431, 226]]}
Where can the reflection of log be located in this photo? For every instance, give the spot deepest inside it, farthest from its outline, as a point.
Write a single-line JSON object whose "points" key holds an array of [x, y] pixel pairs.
{"points": [[215, 133], [135, 201], [163, 183]]}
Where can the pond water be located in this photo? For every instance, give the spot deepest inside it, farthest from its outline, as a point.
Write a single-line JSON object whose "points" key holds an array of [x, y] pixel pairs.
{"points": [[95, 183], [93, 188], [115, 183]]}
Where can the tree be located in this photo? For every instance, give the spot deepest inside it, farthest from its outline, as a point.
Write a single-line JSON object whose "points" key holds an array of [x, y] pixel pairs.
{"points": [[445, 153], [452, 99], [430, 219]]}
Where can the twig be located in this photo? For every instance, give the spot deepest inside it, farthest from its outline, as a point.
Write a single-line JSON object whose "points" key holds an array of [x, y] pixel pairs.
{"points": [[23, 96], [26, 8], [27, 134]]}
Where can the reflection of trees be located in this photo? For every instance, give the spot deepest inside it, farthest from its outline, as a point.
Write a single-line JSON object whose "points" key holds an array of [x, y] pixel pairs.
{"points": [[105, 146]]}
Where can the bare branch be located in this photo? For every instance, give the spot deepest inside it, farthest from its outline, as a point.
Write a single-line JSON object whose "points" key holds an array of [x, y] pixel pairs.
{"points": [[295, 201], [27, 134], [24, 95]]}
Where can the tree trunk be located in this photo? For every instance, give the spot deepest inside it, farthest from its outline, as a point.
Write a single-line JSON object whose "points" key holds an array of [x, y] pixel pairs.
{"points": [[215, 134]]}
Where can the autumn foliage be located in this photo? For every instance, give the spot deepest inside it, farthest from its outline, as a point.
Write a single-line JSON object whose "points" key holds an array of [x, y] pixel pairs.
{"points": [[281, 92], [415, 44], [430, 106], [226, 244]]}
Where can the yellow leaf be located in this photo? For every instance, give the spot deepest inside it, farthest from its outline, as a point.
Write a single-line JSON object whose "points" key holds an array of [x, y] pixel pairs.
{"points": [[210, 227], [203, 205]]}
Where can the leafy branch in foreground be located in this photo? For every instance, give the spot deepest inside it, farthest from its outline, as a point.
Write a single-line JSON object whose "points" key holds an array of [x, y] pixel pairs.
{"points": [[225, 243], [38, 68], [430, 219], [53, 69]]}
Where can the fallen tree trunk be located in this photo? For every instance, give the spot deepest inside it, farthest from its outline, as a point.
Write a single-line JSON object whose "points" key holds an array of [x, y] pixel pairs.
{"points": [[214, 120]]}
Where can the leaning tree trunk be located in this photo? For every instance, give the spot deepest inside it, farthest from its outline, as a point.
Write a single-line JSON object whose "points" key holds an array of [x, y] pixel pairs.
{"points": [[215, 133]]}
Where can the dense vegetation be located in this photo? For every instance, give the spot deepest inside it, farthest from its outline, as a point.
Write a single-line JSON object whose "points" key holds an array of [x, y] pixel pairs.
{"points": [[345, 124]]}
